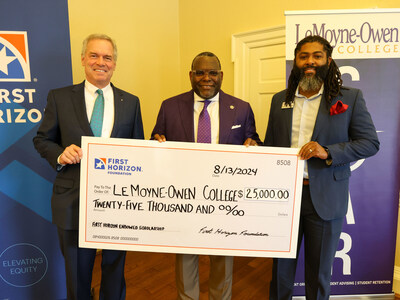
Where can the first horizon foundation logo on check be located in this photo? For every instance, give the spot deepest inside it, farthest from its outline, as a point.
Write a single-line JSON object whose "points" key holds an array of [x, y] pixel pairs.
{"points": [[116, 166]]}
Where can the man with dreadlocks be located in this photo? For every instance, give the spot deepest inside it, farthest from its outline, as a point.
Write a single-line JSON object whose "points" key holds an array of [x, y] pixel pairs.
{"points": [[332, 127]]}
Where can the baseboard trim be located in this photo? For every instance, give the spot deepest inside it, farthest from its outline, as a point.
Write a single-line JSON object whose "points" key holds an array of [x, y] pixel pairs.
{"points": [[357, 297]]}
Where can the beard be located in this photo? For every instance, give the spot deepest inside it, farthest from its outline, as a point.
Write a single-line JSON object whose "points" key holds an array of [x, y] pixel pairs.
{"points": [[311, 83]]}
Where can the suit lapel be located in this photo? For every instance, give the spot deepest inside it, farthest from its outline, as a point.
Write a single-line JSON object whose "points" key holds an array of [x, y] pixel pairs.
{"points": [[288, 120], [322, 118], [78, 101], [186, 114], [227, 112], [118, 106]]}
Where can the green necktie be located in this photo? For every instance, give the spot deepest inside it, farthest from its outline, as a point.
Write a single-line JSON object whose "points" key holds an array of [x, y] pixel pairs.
{"points": [[96, 121]]}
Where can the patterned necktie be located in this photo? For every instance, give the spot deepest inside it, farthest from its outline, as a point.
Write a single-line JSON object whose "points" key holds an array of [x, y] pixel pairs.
{"points": [[96, 122], [204, 127]]}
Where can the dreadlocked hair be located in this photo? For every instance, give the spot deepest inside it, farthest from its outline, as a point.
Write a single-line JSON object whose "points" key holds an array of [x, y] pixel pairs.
{"points": [[333, 81]]}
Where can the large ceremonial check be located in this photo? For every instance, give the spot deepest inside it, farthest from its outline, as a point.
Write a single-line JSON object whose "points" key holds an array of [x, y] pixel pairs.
{"points": [[189, 198]]}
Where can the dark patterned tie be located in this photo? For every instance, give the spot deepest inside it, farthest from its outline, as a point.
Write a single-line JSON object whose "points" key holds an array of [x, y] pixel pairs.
{"points": [[96, 121], [204, 127]]}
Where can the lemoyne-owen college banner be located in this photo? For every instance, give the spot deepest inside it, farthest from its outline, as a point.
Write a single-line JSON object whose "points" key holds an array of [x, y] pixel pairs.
{"points": [[367, 50]]}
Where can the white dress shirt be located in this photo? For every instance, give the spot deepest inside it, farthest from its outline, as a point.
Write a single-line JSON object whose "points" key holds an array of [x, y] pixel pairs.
{"points": [[108, 117], [305, 113], [213, 111]]}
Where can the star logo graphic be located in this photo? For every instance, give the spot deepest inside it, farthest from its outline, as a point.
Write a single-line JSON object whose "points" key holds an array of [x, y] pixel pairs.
{"points": [[5, 60], [100, 163], [14, 57]]}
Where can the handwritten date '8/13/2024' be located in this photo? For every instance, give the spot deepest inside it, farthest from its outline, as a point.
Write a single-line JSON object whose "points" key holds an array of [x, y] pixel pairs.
{"points": [[218, 169]]}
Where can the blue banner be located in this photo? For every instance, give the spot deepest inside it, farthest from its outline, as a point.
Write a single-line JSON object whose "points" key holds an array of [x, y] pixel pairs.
{"points": [[35, 56]]}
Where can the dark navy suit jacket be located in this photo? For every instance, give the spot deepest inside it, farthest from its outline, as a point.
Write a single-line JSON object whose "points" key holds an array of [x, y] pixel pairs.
{"points": [[349, 136], [64, 123], [236, 119]]}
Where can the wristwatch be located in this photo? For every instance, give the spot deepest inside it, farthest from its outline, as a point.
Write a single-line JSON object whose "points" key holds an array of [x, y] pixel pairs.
{"points": [[328, 160]]}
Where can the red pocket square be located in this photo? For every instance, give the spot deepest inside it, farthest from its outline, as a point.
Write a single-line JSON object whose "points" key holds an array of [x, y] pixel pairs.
{"points": [[338, 108]]}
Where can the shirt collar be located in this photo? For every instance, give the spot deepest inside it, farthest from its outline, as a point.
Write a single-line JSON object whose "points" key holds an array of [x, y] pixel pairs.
{"points": [[92, 88], [321, 91], [197, 98]]}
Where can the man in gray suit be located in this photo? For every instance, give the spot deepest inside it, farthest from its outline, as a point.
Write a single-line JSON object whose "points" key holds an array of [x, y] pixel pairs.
{"points": [[231, 122], [69, 115], [332, 126]]}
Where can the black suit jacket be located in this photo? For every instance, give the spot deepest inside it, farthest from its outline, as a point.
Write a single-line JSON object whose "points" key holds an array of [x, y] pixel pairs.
{"points": [[64, 122]]}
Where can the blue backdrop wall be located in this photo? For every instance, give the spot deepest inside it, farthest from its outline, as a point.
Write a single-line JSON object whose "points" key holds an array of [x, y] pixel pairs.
{"points": [[34, 57]]}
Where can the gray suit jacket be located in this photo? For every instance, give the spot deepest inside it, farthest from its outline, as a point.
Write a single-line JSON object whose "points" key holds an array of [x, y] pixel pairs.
{"points": [[64, 122], [349, 136]]}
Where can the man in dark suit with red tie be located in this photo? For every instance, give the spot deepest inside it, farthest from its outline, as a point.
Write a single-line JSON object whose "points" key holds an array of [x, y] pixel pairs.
{"points": [[94, 107], [205, 115]]}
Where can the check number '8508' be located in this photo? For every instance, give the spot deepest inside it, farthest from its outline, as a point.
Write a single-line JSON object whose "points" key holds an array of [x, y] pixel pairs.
{"points": [[283, 162]]}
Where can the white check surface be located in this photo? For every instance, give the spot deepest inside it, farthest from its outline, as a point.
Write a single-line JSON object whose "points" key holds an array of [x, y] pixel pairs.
{"points": [[189, 198]]}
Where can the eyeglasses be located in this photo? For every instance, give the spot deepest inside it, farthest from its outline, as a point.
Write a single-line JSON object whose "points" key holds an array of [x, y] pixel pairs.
{"points": [[202, 73]]}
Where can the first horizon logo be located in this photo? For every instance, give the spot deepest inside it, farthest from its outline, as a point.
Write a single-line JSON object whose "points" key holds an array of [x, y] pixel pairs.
{"points": [[117, 166], [14, 56], [100, 163], [17, 102]]}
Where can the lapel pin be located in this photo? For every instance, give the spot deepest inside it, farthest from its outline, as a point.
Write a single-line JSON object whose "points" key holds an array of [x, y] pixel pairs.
{"points": [[286, 106], [231, 107]]}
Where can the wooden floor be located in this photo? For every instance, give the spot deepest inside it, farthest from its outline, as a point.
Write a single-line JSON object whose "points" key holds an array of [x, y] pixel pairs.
{"points": [[152, 276]]}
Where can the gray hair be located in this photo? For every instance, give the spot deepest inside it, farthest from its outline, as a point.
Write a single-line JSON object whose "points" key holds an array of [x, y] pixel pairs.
{"points": [[97, 36]]}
